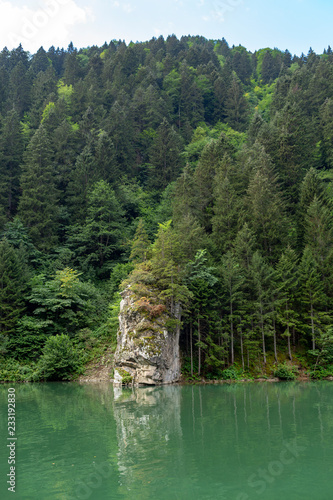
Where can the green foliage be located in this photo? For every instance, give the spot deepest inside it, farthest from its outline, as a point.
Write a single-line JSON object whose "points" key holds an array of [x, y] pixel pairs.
{"points": [[229, 374], [13, 371], [38, 208], [63, 304], [140, 244], [113, 319], [65, 91], [126, 378], [12, 287], [321, 373], [100, 147], [98, 240], [285, 372], [60, 360]]}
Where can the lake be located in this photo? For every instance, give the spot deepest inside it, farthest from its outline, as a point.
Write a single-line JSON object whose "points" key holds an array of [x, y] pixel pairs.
{"points": [[233, 441]]}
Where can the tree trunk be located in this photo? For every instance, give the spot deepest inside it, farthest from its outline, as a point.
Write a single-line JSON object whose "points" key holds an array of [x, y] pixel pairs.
{"points": [[312, 329], [242, 350], [274, 339], [199, 351], [191, 349], [263, 335], [232, 336], [288, 334]]}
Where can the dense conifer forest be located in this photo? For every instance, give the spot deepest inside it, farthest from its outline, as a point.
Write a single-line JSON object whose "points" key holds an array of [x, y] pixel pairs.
{"points": [[188, 167]]}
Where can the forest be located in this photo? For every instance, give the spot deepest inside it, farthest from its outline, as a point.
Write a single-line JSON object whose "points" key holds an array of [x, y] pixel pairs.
{"points": [[197, 169]]}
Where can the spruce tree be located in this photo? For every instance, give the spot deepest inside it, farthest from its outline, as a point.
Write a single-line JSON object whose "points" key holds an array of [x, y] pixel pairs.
{"points": [[11, 151], [140, 244], [311, 188], [312, 296], [12, 287], [233, 278], [227, 208], [262, 278], [265, 208], [319, 237], [287, 287], [98, 239], [236, 107], [165, 156], [38, 207]]}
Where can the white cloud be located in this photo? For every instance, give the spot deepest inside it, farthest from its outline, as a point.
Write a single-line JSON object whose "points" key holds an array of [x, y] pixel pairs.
{"points": [[48, 24]]}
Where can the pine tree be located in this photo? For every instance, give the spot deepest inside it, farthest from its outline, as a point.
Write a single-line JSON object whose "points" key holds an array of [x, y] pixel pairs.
{"points": [[82, 178], [201, 280], [236, 107], [287, 286], [11, 148], [38, 207], [268, 69], [227, 209], [262, 277], [244, 246], [265, 208], [71, 65], [19, 88], [233, 278], [121, 130], [165, 156], [12, 287], [312, 296], [140, 244], [319, 237], [311, 188], [98, 239], [185, 215], [326, 120], [217, 154], [166, 270]]}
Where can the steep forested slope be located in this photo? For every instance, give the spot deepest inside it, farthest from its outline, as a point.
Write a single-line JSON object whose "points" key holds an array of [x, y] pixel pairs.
{"points": [[203, 169]]}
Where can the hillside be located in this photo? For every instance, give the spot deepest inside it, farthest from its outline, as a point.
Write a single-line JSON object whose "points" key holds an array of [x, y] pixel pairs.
{"points": [[201, 170]]}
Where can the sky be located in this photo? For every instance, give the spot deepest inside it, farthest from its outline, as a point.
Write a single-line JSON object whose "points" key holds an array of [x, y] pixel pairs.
{"points": [[295, 25]]}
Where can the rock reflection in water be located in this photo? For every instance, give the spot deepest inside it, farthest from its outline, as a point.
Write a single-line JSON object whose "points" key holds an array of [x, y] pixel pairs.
{"points": [[149, 435]]}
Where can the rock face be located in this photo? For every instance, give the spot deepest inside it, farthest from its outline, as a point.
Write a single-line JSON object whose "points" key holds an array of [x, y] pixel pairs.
{"points": [[147, 352]]}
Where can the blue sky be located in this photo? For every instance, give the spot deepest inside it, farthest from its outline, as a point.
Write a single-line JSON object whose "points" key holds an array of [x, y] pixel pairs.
{"points": [[287, 24]]}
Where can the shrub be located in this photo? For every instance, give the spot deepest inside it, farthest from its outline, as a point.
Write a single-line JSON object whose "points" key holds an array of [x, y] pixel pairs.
{"points": [[320, 373], [284, 372], [12, 371], [125, 376], [228, 374], [60, 359]]}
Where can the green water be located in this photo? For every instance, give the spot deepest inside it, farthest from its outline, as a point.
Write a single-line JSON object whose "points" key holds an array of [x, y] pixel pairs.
{"points": [[233, 442]]}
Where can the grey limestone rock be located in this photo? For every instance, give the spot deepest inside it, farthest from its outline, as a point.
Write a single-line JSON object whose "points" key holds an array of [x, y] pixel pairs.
{"points": [[147, 351]]}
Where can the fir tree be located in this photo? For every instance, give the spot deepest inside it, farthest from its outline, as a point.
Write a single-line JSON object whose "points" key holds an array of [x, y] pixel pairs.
{"points": [[12, 287], [233, 280], [262, 277], [140, 244], [165, 156], [38, 207], [287, 287], [312, 296]]}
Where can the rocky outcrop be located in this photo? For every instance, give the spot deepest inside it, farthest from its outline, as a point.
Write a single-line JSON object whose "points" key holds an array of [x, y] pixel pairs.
{"points": [[147, 344]]}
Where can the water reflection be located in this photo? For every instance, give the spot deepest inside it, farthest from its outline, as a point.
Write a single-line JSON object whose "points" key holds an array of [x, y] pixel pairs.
{"points": [[149, 436], [232, 442]]}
